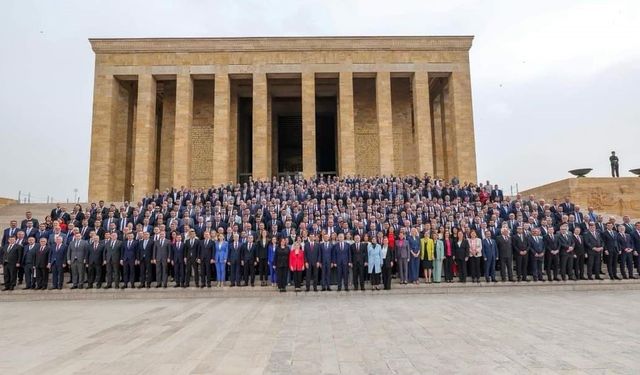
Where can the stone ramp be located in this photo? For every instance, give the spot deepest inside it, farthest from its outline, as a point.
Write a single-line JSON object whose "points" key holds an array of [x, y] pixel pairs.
{"points": [[268, 292], [39, 211]]}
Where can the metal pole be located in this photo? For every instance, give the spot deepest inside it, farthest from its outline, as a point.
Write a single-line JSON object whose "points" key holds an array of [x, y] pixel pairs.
{"points": [[29, 197], [19, 196]]}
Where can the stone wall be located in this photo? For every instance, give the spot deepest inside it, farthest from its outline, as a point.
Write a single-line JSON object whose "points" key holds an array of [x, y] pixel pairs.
{"points": [[202, 134], [404, 152], [617, 196], [367, 142]]}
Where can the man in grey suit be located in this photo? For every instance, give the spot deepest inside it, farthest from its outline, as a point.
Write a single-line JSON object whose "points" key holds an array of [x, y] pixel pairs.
{"points": [[77, 254], [112, 255], [161, 249]]}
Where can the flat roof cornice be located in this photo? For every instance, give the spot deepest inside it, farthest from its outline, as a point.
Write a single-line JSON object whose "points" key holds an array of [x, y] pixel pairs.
{"points": [[265, 44]]}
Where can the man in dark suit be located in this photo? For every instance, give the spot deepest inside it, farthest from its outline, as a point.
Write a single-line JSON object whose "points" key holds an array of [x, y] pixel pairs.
{"points": [[233, 260], [327, 261], [12, 231], [611, 250], [128, 260], [42, 258], [594, 246], [192, 250], [248, 260], [343, 262], [505, 255], [11, 255], [178, 261], [625, 244], [112, 256], [635, 237], [552, 246], [566, 241], [490, 254], [55, 213], [359, 258], [29, 218], [95, 261], [161, 257], [521, 249], [537, 249], [145, 254], [207, 256], [579, 254], [57, 262], [28, 263], [312, 262]]}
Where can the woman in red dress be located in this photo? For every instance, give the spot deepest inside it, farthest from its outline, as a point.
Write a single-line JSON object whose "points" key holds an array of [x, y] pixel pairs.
{"points": [[296, 263]]}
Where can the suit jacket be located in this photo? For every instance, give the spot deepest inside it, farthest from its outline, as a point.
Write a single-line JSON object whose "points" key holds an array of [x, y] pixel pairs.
{"points": [[312, 253], [326, 253], [536, 245], [520, 244], [342, 252], [635, 237], [12, 257], [113, 251], [79, 251], [129, 251], [610, 241], [29, 255], [505, 247], [591, 240], [145, 253], [489, 249], [161, 250], [192, 250], [178, 252], [551, 242], [578, 245], [248, 253], [96, 254], [8, 233], [566, 241], [234, 252], [42, 257], [461, 251], [207, 251], [57, 255], [359, 254], [625, 241]]}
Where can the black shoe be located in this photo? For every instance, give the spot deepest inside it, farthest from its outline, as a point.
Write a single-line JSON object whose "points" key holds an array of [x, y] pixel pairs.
{"points": [[589, 278], [140, 286], [329, 288], [339, 289], [90, 286], [74, 287], [306, 290], [99, 286], [315, 289], [108, 287], [346, 289]]}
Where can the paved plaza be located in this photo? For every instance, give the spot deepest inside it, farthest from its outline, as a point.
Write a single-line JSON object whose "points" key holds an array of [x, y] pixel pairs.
{"points": [[511, 333]]}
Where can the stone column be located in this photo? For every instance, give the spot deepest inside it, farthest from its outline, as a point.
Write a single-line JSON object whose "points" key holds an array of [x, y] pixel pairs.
{"points": [[102, 136], [182, 131], [308, 124], [144, 157], [439, 162], [346, 132], [422, 121], [261, 150], [221, 129], [384, 116], [464, 139]]}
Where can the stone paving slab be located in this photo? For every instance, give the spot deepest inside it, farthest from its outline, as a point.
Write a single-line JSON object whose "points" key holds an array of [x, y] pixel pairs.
{"points": [[261, 292], [564, 332]]}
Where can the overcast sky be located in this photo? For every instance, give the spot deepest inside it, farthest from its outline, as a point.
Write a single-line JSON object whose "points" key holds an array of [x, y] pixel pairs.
{"points": [[556, 84]]}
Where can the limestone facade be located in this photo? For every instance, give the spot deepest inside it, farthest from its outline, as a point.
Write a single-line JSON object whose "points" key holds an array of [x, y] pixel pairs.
{"points": [[205, 111], [614, 196]]}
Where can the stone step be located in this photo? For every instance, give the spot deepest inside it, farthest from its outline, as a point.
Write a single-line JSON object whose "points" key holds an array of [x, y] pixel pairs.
{"points": [[270, 292]]}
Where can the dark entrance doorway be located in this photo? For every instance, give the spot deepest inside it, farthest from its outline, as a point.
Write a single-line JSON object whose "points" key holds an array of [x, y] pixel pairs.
{"points": [[287, 135], [326, 139]]}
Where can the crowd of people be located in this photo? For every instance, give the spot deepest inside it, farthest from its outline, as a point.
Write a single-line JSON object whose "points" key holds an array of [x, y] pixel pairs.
{"points": [[318, 233]]}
